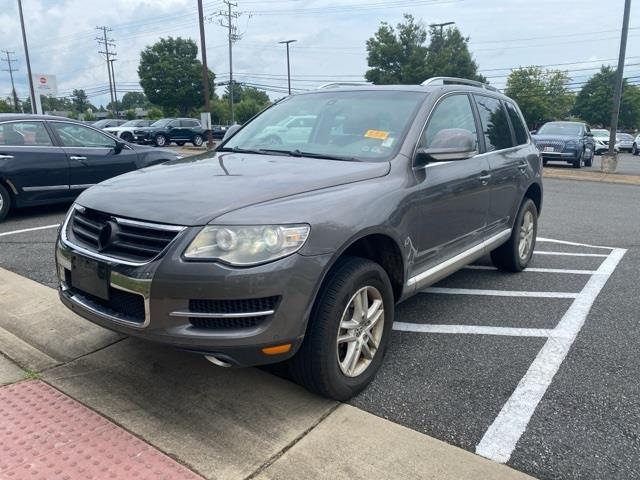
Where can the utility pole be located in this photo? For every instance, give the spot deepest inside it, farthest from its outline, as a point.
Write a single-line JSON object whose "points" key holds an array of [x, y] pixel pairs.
{"points": [[113, 81], [106, 43], [609, 160], [205, 74], [10, 69], [231, 16], [34, 108], [287, 42]]}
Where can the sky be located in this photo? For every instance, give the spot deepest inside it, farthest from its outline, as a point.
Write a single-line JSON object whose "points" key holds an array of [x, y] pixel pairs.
{"points": [[573, 35]]}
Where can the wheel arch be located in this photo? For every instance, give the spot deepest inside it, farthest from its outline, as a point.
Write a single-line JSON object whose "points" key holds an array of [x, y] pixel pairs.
{"points": [[534, 192]]}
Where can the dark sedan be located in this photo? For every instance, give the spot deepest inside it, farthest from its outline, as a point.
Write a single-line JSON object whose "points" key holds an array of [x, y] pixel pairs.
{"points": [[570, 142], [46, 159]]}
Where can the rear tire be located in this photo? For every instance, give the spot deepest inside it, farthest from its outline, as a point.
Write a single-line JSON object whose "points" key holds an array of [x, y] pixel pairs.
{"points": [[5, 202], [322, 364], [511, 256], [197, 140]]}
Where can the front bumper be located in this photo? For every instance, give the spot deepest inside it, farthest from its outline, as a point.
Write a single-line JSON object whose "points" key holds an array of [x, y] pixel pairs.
{"points": [[560, 156], [166, 285]]}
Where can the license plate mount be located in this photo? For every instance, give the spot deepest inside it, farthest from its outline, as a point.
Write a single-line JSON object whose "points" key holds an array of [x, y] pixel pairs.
{"points": [[549, 149], [90, 276]]}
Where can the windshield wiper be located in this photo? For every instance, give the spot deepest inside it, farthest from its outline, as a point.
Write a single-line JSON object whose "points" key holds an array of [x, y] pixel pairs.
{"points": [[299, 153], [257, 151]]}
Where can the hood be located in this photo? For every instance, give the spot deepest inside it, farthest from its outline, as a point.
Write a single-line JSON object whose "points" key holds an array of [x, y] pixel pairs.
{"points": [[195, 190], [113, 129], [562, 138]]}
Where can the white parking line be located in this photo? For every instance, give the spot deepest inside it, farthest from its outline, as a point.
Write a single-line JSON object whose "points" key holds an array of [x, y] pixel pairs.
{"points": [[29, 230], [501, 438], [536, 270], [498, 293], [472, 329], [564, 242], [569, 254]]}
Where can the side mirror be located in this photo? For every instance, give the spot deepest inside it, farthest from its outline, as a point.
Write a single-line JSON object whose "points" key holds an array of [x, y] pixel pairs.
{"points": [[231, 131], [589, 134], [448, 145], [118, 147], [533, 132]]}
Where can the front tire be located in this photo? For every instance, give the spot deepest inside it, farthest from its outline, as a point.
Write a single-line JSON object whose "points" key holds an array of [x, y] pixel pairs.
{"points": [[5, 202], [160, 140], [348, 332], [197, 140], [515, 255], [579, 162], [589, 161], [127, 137]]}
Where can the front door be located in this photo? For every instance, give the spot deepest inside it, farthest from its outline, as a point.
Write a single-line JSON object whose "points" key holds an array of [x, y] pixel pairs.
{"points": [[93, 156], [36, 168], [447, 211]]}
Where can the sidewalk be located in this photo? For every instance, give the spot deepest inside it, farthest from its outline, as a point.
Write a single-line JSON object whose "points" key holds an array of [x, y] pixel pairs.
{"points": [[162, 413]]}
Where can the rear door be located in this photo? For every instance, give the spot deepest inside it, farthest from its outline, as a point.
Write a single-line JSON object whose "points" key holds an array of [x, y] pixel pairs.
{"points": [[447, 212], [37, 169], [92, 154], [507, 159]]}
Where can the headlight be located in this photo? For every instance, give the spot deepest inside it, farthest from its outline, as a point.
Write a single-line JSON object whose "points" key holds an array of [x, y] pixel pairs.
{"points": [[247, 245]]}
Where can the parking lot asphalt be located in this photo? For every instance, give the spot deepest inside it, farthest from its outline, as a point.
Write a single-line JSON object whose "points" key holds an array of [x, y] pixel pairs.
{"points": [[493, 372], [627, 164]]}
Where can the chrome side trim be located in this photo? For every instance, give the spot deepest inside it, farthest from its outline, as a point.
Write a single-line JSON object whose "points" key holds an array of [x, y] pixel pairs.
{"points": [[453, 264], [264, 313], [82, 186], [45, 188], [106, 258]]}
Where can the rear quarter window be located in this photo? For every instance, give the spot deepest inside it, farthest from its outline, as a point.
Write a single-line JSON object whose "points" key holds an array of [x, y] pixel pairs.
{"points": [[519, 127]]}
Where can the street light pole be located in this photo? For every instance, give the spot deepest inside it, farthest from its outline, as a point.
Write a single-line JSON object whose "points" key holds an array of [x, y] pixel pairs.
{"points": [[287, 42], [34, 109], [441, 26], [610, 161]]}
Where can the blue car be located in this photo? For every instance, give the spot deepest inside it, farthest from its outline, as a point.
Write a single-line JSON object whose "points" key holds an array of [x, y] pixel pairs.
{"points": [[570, 142]]}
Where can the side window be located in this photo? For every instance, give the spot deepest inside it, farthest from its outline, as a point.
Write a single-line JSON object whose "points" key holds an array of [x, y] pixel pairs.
{"points": [[174, 124], [24, 133], [453, 112], [74, 135], [518, 126], [194, 123], [495, 126]]}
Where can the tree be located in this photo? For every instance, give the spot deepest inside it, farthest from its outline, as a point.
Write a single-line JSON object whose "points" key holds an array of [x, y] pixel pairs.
{"points": [[400, 55], [171, 74], [132, 100], [80, 101], [594, 101], [130, 114], [247, 100], [154, 114], [5, 106], [542, 95]]}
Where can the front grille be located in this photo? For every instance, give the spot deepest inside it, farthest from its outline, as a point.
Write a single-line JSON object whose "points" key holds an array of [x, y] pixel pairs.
{"points": [[249, 306], [558, 145], [138, 243]]}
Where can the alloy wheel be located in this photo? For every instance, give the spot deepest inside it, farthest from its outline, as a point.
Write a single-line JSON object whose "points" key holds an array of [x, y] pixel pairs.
{"points": [[526, 236], [360, 331]]}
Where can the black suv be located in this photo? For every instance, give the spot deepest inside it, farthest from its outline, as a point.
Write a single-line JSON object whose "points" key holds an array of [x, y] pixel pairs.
{"points": [[259, 253], [167, 130]]}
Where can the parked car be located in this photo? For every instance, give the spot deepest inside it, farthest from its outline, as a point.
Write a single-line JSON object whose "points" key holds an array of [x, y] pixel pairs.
{"points": [[252, 255], [570, 142], [45, 159], [108, 123], [125, 131], [167, 130], [218, 131], [295, 128], [601, 140], [624, 142], [636, 145]]}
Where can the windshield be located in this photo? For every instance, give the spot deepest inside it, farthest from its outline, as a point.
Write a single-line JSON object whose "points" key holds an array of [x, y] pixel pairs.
{"points": [[360, 125], [570, 129], [600, 133], [101, 123], [162, 123], [133, 123]]}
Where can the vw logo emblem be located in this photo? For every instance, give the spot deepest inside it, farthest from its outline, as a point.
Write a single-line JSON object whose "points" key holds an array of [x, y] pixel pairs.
{"points": [[107, 235]]}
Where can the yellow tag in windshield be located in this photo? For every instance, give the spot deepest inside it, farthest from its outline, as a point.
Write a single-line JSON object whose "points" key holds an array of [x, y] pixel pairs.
{"points": [[379, 134]]}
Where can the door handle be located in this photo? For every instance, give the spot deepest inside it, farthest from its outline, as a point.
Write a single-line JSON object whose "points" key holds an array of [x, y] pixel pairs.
{"points": [[6, 157], [485, 177], [74, 157]]}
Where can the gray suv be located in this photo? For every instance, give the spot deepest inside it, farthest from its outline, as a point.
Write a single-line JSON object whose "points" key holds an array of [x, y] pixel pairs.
{"points": [[298, 250]]}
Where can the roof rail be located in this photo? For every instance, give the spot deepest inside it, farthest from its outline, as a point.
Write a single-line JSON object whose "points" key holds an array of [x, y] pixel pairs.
{"points": [[343, 84], [457, 81]]}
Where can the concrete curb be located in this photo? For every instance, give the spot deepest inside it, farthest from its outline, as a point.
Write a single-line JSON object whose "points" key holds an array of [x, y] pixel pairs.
{"points": [[590, 176], [221, 423]]}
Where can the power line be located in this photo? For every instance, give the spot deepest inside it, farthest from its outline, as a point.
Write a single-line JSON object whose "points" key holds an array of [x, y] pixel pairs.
{"points": [[10, 69]]}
